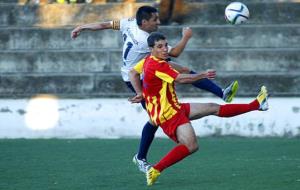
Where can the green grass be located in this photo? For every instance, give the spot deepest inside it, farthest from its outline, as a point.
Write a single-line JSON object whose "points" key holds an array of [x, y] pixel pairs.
{"points": [[220, 164]]}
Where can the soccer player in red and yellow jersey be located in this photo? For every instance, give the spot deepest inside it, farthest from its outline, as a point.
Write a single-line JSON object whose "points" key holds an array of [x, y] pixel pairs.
{"points": [[135, 32], [167, 112]]}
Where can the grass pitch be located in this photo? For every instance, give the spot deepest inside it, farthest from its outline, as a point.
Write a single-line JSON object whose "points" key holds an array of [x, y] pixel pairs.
{"points": [[222, 163]]}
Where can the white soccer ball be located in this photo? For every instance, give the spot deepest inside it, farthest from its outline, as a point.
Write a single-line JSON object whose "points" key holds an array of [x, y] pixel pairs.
{"points": [[236, 13]]}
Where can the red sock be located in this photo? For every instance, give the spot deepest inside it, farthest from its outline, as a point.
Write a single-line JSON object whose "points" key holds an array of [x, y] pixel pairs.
{"points": [[230, 110], [176, 154]]}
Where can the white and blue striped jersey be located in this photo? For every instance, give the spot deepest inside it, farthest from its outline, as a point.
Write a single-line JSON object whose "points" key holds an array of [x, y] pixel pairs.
{"points": [[135, 45]]}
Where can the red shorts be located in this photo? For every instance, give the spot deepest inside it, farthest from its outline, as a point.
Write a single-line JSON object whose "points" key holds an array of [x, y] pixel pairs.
{"points": [[181, 117]]}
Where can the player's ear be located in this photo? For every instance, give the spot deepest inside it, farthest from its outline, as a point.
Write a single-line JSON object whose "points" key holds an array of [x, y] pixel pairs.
{"points": [[144, 21]]}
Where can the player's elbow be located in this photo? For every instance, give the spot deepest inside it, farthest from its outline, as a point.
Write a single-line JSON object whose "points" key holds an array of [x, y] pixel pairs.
{"points": [[174, 54], [132, 73]]}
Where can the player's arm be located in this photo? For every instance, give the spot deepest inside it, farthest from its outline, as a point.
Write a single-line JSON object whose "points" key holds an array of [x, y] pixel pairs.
{"points": [[190, 78], [94, 27], [135, 79], [186, 35], [179, 68]]}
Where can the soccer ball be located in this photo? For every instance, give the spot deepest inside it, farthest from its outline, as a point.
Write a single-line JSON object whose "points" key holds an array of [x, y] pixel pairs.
{"points": [[236, 13]]}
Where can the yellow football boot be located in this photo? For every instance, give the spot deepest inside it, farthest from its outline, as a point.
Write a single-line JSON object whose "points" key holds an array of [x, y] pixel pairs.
{"points": [[152, 175], [262, 99], [230, 91]]}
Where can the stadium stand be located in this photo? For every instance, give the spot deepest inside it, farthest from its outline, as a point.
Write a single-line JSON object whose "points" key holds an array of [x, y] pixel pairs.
{"points": [[37, 54]]}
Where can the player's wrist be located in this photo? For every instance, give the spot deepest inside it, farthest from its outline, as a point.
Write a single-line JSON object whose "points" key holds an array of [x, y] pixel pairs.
{"points": [[184, 37]]}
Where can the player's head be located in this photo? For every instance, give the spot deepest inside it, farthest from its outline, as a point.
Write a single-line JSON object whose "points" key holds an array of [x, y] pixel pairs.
{"points": [[159, 45], [147, 18]]}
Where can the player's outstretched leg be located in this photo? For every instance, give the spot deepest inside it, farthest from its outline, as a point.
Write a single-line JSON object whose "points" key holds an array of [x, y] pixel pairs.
{"points": [[227, 94], [140, 159], [199, 110], [260, 103]]}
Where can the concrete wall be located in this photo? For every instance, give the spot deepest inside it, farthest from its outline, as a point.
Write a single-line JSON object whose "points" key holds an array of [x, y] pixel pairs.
{"points": [[117, 118]]}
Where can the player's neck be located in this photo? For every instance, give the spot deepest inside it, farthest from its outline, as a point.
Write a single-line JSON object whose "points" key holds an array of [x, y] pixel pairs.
{"points": [[156, 58], [144, 29]]}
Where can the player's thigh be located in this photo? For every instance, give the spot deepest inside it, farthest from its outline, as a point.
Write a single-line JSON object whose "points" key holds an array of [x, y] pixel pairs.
{"points": [[186, 135], [199, 110]]}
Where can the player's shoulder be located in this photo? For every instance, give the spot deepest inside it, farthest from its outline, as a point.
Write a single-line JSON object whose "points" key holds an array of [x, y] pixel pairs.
{"points": [[130, 20], [155, 62], [128, 23]]}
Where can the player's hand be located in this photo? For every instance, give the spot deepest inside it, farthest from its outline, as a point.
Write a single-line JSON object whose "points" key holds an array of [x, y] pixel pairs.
{"points": [[75, 33], [187, 32], [211, 74], [136, 99]]}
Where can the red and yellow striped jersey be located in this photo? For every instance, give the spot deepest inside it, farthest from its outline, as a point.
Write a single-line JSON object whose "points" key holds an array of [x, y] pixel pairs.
{"points": [[158, 88]]}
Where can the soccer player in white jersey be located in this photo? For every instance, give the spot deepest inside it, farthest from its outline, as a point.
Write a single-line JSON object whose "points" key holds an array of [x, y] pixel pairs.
{"points": [[135, 32]]}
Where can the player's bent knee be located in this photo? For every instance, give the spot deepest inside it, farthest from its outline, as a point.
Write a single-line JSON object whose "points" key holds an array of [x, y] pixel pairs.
{"points": [[193, 147]]}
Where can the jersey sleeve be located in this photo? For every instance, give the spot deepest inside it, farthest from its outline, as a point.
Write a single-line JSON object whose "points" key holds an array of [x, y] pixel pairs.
{"points": [[139, 66], [166, 72], [125, 22]]}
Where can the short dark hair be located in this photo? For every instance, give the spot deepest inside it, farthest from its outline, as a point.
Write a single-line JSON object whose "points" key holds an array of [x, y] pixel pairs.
{"points": [[155, 37], [144, 12]]}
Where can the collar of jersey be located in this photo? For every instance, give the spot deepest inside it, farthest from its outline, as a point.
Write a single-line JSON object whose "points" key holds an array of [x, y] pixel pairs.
{"points": [[143, 31], [156, 59]]}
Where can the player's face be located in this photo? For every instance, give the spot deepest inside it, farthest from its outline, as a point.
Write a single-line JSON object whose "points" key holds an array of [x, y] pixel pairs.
{"points": [[160, 50], [151, 25]]}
